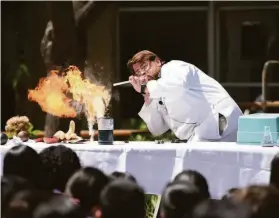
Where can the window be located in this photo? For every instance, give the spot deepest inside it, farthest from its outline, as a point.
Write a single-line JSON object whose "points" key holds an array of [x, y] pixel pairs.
{"points": [[253, 40]]}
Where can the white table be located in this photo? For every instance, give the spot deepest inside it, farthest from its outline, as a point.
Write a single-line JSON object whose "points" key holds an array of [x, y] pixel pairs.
{"points": [[225, 165]]}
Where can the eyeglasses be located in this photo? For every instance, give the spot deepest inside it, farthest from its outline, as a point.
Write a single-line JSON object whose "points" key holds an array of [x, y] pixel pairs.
{"points": [[143, 69]]}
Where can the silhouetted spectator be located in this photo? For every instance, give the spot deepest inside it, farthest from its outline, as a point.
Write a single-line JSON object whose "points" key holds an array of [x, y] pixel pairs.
{"points": [[274, 171], [86, 185], [59, 164], [221, 209], [195, 178], [264, 200], [59, 207], [120, 175], [179, 199], [23, 161], [23, 204], [228, 195], [10, 185], [122, 198]]}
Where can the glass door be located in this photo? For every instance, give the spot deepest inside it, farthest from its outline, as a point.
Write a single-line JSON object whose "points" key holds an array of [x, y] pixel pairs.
{"points": [[243, 41]]}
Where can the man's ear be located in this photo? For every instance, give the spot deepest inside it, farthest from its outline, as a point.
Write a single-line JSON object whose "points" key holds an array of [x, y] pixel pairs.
{"points": [[96, 212], [158, 62]]}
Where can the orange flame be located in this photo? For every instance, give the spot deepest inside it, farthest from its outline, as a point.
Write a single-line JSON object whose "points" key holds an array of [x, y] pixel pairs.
{"points": [[51, 92], [94, 98]]}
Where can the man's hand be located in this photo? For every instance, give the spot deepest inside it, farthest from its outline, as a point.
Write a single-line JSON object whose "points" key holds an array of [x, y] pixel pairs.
{"points": [[147, 100], [135, 83]]}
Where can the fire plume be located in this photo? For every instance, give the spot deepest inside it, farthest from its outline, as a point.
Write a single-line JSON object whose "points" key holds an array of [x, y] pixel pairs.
{"points": [[55, 93]]}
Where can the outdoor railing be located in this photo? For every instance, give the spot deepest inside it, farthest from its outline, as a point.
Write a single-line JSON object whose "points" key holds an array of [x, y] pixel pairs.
{"points": [[264, 83]]}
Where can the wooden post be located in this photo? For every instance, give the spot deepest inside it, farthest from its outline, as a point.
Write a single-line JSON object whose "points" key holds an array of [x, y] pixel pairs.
{"points": [[60, 47], [211, 39]]}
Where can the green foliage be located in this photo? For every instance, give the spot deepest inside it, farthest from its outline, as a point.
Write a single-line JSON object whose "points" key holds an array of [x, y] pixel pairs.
{"points": [[134, 124], [150, 204], [32, 133], [10, 134]]}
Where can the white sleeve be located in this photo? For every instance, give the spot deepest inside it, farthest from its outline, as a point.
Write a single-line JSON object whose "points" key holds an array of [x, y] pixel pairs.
{"points": [[175, 77], [153, 119]]}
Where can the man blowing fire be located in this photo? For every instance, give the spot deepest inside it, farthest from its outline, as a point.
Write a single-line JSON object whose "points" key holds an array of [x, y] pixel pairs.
{"points": [[180, 97]]}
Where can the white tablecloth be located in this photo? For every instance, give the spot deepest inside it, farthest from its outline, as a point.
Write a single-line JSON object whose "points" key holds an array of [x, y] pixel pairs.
{"points": [[225, 165]]}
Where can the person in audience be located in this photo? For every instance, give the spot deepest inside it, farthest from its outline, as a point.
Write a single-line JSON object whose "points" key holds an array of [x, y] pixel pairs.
{"points": [[25, 202], [264, 200], [221, 209], [86, 185], [60, 206], [122, 198], [23, 161], [179, 199], [195, 178], [118, 175], [274, 171], [59, 164], [11, 185], [228, 195]]}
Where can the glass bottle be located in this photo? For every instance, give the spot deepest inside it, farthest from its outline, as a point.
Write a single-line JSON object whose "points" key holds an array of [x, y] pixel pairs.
{"points": [[267, 137]]}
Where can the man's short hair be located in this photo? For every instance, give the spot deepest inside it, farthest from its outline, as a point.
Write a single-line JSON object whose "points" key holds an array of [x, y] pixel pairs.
{"points": [[86, 185], [59, 164], [141, 57], [122, 198], [179, 199], [196, 178], [22, 160], [221, 209], [263, 199], [121, 175]]}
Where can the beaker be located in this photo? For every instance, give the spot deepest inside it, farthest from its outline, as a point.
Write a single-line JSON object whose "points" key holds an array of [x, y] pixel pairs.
{"points": [[267, 137]]}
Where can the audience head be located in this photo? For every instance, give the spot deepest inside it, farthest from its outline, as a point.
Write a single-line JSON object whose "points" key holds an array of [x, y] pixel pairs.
{"points": [[221, 209], [122, 198], [179, 199], [229, 194], [264, 200], [10, 186], [86, 185], [23, 161], [274, 171], [195, 178], [59, 164], [120, 175], [60, 206], [24, 203]]}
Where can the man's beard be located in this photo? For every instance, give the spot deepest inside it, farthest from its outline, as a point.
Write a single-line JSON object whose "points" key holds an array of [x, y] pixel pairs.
{"points": [[150, 77]]}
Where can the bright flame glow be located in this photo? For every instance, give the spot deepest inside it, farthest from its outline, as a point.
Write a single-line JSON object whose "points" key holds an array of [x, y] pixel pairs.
{"points": [[53, 95]]}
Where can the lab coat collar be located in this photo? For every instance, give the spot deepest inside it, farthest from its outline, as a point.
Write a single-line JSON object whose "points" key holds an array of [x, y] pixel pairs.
{"points": [[159, 75]]}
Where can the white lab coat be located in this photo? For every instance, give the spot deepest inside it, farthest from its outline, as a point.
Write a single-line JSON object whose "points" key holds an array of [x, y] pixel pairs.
{"points": [[187, 101]]}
